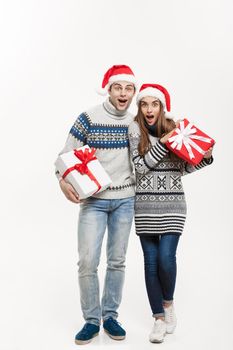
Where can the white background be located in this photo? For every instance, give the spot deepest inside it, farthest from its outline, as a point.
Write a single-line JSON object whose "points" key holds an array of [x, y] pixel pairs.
{"points": [[53, 55]]}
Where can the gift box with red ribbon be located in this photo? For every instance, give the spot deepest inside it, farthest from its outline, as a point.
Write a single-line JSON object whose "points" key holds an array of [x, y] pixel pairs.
{"points": [[189, 143], [83, 171]]}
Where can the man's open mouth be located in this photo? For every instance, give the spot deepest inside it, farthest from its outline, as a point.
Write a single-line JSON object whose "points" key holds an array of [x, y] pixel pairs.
{"points": [[122, 100]]}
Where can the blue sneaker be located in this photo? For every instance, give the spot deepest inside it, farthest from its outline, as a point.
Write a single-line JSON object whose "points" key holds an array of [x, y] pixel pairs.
{"points": [[87, 333], [113, 329]]}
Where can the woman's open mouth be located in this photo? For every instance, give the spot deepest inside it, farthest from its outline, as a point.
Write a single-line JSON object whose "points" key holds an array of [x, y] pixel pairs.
{"points": [[150, 119]]}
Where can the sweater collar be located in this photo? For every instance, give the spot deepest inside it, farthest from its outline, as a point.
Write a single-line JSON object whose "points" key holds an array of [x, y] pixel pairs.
{"points": [[152, 130], [108, 106]]}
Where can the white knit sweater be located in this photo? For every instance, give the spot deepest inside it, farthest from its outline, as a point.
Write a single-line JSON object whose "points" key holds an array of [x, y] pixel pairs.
{"points": [[106, 129]]}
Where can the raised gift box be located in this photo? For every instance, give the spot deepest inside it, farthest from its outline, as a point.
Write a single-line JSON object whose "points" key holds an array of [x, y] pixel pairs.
{"points": [[83, 171], [189, 143]]}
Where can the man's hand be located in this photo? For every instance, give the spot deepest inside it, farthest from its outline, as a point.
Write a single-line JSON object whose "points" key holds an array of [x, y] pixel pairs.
{"points": [[69, 192]]}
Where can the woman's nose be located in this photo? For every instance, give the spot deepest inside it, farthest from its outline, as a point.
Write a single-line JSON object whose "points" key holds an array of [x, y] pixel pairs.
{"points": [[149, 109]]}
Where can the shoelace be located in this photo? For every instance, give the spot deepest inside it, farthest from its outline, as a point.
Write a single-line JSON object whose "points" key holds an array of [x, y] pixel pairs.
{"points": [[115, 323], [85, 329], [169, 314], [158, 326]]}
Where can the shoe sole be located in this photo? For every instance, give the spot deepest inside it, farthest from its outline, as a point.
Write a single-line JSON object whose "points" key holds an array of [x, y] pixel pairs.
{"points": [[156, 341], [83, 342], [171, 330], [115, 337]]}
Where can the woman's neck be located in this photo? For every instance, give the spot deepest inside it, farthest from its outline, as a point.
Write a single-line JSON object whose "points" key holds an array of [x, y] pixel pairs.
{"points": [[151, 128]]}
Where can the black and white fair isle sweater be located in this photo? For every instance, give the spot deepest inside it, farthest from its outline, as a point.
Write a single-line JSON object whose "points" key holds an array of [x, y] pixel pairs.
{"points": [[105, 128], [160, 206]]}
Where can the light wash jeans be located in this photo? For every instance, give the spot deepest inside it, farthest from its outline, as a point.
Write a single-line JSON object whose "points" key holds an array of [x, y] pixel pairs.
{"points": [[95, 216]]}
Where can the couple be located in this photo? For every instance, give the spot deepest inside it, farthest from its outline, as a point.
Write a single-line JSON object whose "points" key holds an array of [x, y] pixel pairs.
{"points": [[159, 207]]}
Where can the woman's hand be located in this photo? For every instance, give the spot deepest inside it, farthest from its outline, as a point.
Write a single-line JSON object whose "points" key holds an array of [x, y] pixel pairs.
{"points": [[69, 192], [208, 153], [165, 138]]}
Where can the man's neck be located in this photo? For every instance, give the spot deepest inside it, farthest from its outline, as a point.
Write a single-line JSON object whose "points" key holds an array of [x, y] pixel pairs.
{"points": [[110, 108]]}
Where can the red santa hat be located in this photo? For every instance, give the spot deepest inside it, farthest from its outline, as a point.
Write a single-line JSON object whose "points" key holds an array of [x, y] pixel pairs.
{"points": [[116, 73], [159, 92]]}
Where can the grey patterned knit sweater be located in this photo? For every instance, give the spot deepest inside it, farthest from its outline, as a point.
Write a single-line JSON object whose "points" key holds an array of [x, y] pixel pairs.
{"points": [[106, 129], [160, 206]]}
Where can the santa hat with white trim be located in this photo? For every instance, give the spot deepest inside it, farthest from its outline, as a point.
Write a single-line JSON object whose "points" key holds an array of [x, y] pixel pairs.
{"points": [[159, 92], [114, 74]]}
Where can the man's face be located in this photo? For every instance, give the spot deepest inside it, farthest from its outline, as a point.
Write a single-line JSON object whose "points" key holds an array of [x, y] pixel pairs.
{"points": [[121, 94]]}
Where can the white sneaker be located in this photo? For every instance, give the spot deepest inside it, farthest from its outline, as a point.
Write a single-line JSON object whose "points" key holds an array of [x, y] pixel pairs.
{"points": [[170, 318], [158, 332]]}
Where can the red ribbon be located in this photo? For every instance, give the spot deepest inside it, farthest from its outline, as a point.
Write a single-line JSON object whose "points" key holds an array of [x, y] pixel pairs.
{"points": [[85, 156]]}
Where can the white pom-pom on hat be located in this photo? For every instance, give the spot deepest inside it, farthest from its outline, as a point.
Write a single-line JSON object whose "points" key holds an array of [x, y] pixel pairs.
{"points": [[101, 91], [169, 115]]}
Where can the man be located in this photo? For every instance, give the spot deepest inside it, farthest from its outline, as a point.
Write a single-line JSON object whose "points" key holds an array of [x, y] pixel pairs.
{"points": [[105, 128]]}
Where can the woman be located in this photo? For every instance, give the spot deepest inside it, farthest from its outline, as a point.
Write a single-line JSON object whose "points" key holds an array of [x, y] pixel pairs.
{"points": [[160, 208]]}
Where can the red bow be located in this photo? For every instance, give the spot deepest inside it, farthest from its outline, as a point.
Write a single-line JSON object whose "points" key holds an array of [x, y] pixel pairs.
{"points": [[85, 156]]}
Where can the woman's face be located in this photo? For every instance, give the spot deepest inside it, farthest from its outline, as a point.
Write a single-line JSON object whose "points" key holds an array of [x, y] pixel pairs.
{"points": [[150, 107]]}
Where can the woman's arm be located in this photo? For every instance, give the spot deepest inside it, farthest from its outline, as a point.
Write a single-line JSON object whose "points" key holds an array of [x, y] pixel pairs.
{"points": [[207, 160], [150, 160]]}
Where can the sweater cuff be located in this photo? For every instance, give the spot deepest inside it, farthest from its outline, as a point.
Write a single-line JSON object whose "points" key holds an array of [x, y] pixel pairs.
{"points": [[208, 160], [163, 145], [158, 151], [58, 175]]}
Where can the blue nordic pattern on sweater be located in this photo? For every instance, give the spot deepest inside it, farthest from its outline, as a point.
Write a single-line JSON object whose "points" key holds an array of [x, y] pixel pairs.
{"points": [[80, 128], [100, 135]]}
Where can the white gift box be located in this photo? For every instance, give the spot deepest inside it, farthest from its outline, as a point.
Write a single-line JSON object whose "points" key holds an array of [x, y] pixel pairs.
{"points": [[70, 166]]}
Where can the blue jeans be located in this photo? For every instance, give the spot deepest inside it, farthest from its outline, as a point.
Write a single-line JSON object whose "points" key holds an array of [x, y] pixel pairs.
{"points": [[95, 216], [160, 269]]}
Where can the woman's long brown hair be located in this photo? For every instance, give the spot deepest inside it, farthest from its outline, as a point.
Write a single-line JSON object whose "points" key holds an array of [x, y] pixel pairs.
{"points": [[163, 126]]}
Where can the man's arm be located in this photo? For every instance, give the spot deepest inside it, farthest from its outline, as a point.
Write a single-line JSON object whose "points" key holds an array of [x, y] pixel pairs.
{"points": [[76, 138]]}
